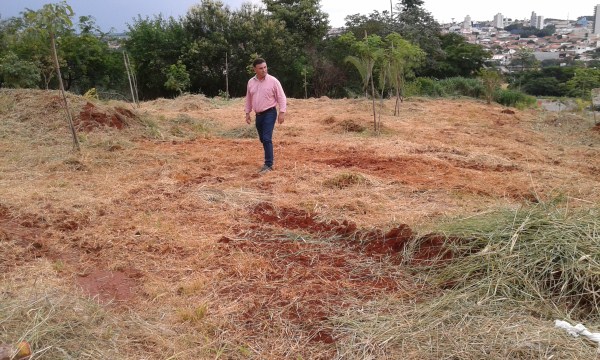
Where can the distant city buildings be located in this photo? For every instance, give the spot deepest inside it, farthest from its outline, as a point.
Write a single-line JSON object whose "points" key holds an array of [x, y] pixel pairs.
{"points": [[596, 27], [571, 39], [536, 21], [499, 21], [467, 23], [533, 19]]}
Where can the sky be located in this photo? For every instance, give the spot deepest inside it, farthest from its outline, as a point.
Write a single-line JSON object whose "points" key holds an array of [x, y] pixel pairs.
{"points": [[115, 14]]}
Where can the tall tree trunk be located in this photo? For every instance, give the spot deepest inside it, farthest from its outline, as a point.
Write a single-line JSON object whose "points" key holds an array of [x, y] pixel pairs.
{"points": [[374, 111], [62, 90], [381, 99], [399, 83]]}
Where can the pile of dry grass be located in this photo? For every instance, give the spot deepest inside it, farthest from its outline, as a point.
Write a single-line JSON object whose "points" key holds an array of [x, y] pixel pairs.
{"points": [[544, 253], [454, 326], [504, 278]]}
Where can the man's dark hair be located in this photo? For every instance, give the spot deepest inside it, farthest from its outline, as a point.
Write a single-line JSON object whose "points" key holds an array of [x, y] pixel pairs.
{"points": [[258, 61]]}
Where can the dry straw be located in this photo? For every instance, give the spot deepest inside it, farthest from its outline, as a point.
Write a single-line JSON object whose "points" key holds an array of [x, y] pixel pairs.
{"points": [[512, 273], [171, 199]]}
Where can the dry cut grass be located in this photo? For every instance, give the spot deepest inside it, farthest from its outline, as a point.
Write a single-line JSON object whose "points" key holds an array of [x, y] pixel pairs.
{"points": [[160, 241], [503, 278]]}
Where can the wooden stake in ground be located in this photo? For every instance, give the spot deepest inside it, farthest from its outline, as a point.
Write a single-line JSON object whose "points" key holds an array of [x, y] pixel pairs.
{"points": [[132, 79], [48, 21], [64, 96]]}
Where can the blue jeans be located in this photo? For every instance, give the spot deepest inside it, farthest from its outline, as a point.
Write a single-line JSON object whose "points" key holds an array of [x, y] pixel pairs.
{"points": [[265, 123]]}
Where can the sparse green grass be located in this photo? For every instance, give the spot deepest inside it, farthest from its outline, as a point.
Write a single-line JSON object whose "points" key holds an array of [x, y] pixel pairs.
{"points": [[345, 180], [185, 125], [151, 127], [193, 315], [514, 98], [242, 132]]}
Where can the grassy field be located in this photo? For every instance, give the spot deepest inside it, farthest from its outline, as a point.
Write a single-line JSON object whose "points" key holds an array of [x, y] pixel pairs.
{"points": [[462, 231]]}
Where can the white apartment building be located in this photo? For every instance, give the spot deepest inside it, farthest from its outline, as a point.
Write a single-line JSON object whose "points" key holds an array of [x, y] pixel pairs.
{"points": [[536, 21], [498, 21], [467, 23], [533, 19], [596, 28]]}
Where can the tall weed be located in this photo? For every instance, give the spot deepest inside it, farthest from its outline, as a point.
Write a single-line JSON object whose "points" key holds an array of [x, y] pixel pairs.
{"points": [[514, 98], [544, 253]]}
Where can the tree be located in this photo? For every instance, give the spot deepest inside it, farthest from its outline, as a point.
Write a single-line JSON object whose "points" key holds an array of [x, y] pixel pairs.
{"points": [[50, 19], [375, 23], [419, 27], [178, 78], [153, 45], [29, 45], [411, 4], [460, 57], [252, 33], [368, 51], [583, 82], [400, 59], [89, 63], [303, 19], [491, 80], [544, 86], [85, 59], [305, 25], [17, 73], [206, 28], [524, 58], [331, 73]]}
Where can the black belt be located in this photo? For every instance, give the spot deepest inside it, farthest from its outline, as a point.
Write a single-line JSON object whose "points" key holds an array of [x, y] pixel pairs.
{"points": [[265, 111]]}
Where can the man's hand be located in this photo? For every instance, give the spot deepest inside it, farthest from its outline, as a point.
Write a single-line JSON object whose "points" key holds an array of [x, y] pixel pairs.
{"points": [[281, 118], [248, 120]]}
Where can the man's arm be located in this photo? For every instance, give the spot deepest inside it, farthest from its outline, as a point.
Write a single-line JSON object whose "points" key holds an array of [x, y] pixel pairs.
{"points": [[248, 104], [282, 101]]}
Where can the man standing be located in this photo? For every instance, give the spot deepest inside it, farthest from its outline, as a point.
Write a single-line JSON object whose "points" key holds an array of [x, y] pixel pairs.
{"points": [[263, 94]]}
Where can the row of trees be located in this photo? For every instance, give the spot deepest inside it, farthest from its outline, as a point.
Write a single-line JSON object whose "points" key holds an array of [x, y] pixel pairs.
{"points": [[85, 59], [558, 81], [210, 48]]}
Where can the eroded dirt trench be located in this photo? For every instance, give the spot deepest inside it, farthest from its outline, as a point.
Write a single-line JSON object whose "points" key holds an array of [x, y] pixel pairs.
{"points": [[325, 268], [302, 280]]}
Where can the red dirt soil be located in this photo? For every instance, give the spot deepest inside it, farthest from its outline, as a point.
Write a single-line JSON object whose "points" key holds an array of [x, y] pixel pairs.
{"points": [[91, 117], [135, 220]]}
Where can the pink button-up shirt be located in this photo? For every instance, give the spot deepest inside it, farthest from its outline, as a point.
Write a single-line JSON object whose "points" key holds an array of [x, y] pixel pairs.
{"points": [[264, 94]]}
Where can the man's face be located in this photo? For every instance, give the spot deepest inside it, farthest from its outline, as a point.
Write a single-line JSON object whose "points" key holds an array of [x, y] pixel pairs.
{"points": [[261, 70]]}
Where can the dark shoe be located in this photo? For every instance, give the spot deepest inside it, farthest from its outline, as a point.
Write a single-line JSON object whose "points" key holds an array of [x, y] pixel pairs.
{"points": [[265, 169]]}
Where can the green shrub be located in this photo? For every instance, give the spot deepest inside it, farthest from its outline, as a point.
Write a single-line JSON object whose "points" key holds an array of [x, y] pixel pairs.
{"points": [[514, 98], [460, 86], [424, 87], [344, 180]]}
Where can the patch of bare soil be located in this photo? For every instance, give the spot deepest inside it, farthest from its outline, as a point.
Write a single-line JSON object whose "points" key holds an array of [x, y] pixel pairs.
{"points": [[176, 221], [92, 117]]}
